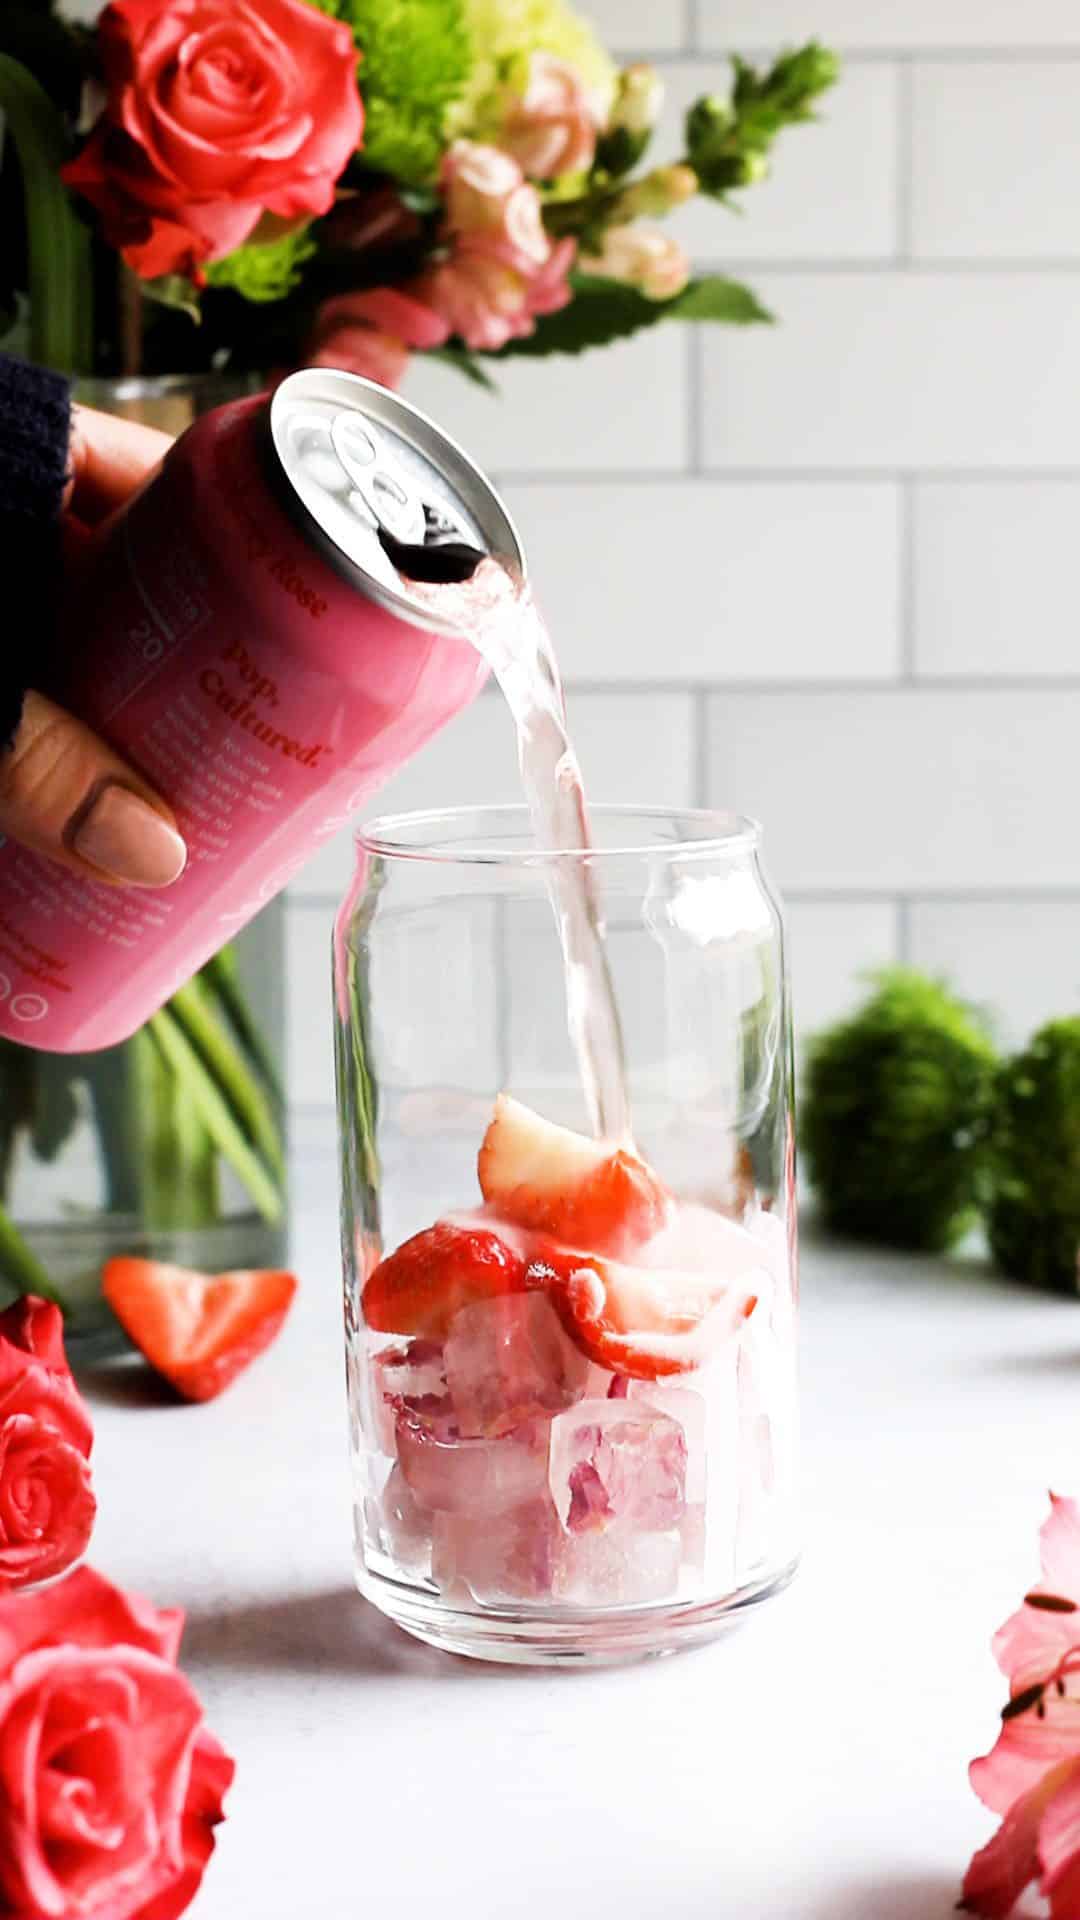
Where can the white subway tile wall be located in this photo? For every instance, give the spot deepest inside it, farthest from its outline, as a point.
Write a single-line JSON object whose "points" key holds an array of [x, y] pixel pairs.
{"points": [[824, 571]]}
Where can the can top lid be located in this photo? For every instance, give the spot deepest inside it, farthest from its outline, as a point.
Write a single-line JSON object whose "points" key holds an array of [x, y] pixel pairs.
{"points": [[357, 457]]}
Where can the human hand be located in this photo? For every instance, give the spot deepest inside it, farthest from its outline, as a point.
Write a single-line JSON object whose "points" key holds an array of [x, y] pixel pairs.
{"points": [[63, 792]]}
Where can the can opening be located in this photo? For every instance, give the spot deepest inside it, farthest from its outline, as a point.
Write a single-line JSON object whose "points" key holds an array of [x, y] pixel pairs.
{"points": [[443, 558]]}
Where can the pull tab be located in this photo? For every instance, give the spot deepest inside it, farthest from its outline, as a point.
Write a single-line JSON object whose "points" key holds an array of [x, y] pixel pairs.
{"points": [[442, 558]]}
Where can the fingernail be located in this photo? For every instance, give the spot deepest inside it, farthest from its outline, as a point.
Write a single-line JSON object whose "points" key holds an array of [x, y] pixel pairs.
{"points": [[128, 840]]}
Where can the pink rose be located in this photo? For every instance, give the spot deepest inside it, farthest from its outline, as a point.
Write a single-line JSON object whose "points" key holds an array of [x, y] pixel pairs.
{"points": [[643, 256], [551, 128], [1032, 1775], [217, 111], [47, 1504], [110, 1784], [372, 333]]}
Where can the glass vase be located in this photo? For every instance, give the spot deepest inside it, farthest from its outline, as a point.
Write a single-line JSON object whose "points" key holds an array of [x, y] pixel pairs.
{"points": [[579, 1445], [171, 1146]]}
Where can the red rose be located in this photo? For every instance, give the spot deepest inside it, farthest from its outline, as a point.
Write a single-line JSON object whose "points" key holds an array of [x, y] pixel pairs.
{"points": [[110, 1784], [217, 111], [47, 1504]]}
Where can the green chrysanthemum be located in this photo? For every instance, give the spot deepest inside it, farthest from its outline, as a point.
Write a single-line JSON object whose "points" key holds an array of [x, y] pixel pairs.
{"points": [[265, 272], [895, 1115], [504, 33], [416, 61], [1033, 1216]]}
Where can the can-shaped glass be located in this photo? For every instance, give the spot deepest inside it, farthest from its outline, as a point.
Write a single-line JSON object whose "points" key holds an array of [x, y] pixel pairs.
{"points": [[572, 1420]]}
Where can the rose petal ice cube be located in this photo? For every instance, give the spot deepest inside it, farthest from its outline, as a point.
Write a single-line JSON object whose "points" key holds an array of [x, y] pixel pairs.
{"points": [[508, 1359], [475, 1477], [617, 1463]]}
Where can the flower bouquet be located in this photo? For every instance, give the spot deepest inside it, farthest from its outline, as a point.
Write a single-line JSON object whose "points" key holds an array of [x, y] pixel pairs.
{"points": [[258, 184]]}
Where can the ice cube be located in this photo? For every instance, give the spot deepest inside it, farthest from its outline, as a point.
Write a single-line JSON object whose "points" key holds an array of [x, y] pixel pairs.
{"points": [[615, 1462], [454, 1474], [686, 1406], [413, 1376], [405, 1527], [510, 1556], [708, 1414], [617, 1567], [694, 1536], [508, 1359], [524, 1555]]}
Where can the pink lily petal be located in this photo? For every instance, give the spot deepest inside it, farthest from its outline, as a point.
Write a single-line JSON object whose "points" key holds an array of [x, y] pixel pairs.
{"points": [[1029, 1744], [1008, 1863], [1060, 1548], [1033, 1642], [1059, 1848]]}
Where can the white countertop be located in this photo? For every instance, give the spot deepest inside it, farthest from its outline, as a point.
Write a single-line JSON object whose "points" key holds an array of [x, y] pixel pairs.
{"points": [[810, 1766]]}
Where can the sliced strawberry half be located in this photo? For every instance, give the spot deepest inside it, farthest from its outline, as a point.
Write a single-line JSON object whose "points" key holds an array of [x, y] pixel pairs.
{"points": [[198, 1330], [419, 1288], [582, 1192], [641, 1321]]}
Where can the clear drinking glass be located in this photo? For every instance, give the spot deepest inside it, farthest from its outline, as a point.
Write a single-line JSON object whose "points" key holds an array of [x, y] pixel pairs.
{"points": [[566, 1457]]}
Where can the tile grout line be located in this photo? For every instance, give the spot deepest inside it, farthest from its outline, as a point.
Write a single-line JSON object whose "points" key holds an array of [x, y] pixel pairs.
{"points": [[877, 265], [860, 54], [853, 896], [691, 26], [770, 475]]}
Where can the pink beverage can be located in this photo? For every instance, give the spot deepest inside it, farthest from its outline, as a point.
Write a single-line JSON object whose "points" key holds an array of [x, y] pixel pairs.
{"points": [[246, 642]]}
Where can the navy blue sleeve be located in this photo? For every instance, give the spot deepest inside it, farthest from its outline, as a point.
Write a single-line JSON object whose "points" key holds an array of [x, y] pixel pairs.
{"points": [[35, 425]]}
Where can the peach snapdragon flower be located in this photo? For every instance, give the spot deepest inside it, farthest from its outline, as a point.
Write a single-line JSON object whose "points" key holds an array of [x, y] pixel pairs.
{"points": [[644, 257], [550, 128]]}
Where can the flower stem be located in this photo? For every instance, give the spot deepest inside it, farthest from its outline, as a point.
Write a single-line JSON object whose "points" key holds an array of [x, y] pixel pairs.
{"points": [[20, 1266], [217, 1115], [61, 333]]}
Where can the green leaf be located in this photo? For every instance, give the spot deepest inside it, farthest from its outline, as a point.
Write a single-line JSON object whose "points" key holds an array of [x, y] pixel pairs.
{"points": [[717, 298], [466, 363], [606, 310], [60, 285], [173, 290]]}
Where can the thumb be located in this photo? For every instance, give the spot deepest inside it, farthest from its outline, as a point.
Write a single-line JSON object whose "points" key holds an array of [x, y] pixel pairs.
{"points": [[64, 793]]}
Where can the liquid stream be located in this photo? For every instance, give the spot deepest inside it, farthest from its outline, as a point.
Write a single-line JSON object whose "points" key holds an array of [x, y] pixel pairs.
{"points": [[503, 623]]}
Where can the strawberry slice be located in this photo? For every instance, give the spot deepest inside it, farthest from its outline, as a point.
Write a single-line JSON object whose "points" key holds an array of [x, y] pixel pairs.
{"points": [[198, 1330], [581, 1192], [419, 1288], [641, 1321]]}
